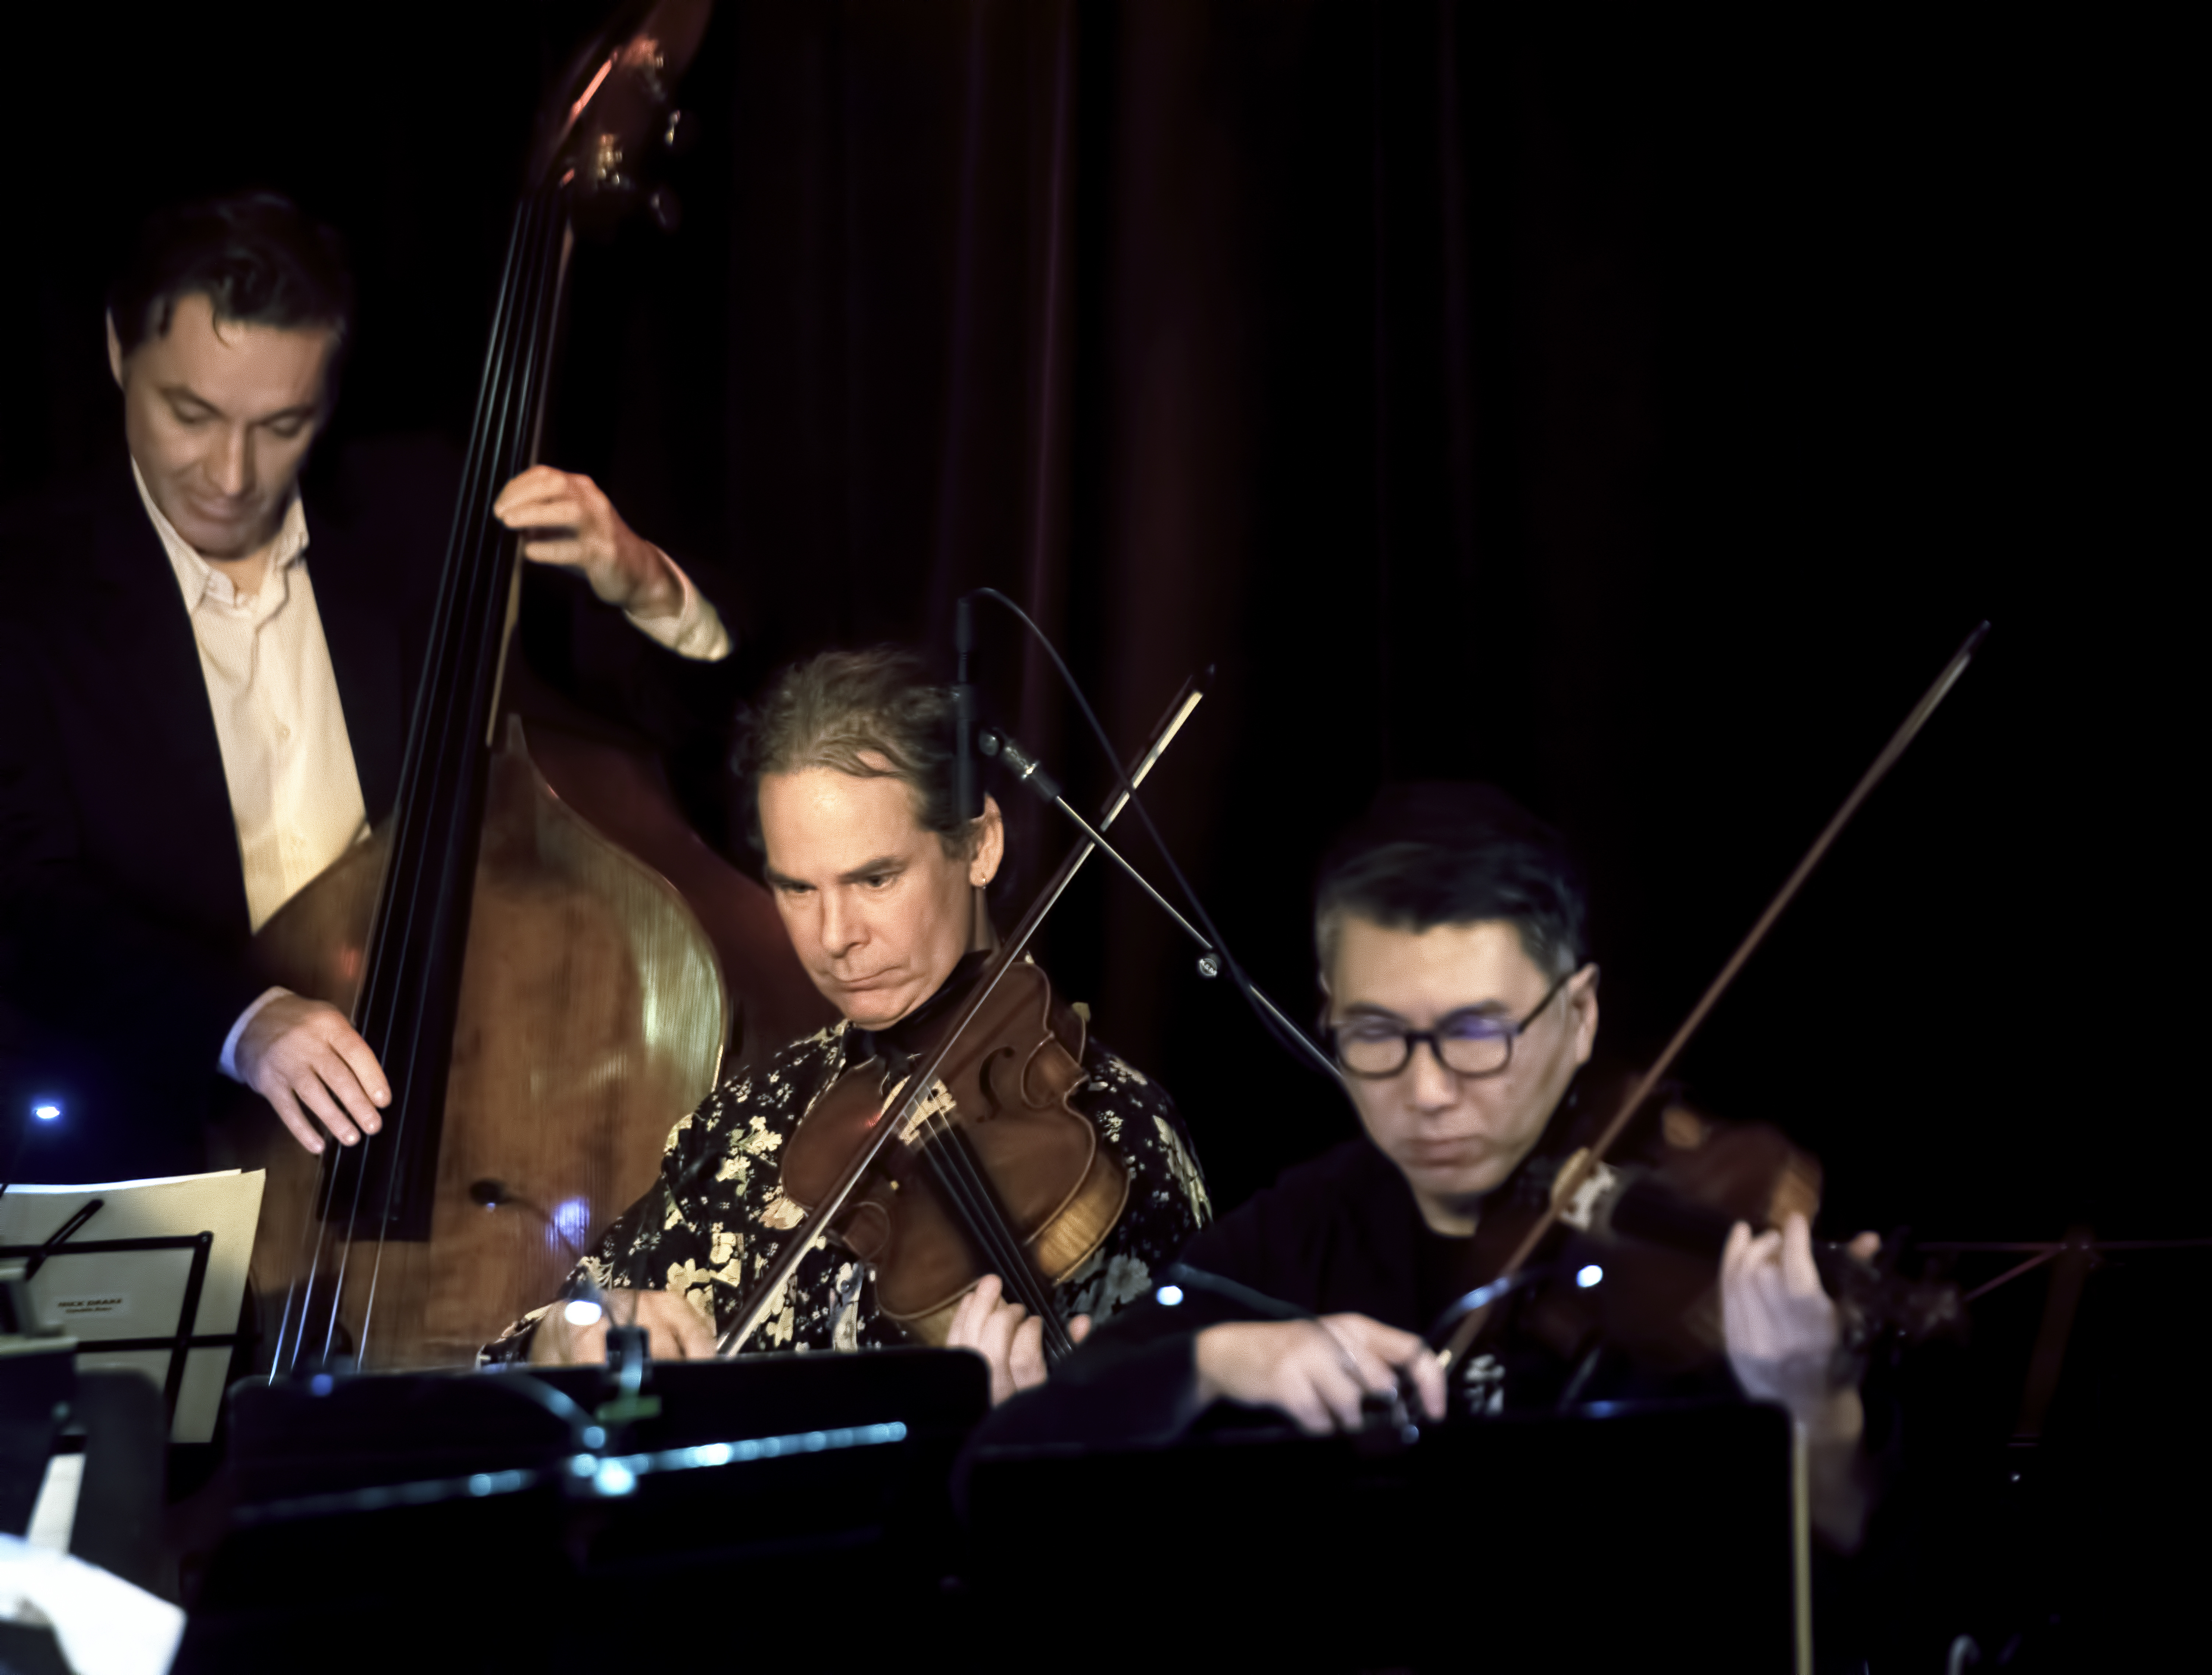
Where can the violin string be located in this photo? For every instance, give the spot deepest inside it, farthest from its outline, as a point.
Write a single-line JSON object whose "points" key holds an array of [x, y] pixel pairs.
{"points": [[400, 887], [960, 1172], [961, 1169], [944, 1151]]}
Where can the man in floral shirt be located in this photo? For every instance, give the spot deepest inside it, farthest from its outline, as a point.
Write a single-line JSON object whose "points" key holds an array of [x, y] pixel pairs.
{"points": [[880, 883]]}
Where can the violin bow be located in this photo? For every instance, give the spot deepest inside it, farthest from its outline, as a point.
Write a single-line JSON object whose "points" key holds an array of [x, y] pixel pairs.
{"points": [[768, 1291], [1580, 1167]]}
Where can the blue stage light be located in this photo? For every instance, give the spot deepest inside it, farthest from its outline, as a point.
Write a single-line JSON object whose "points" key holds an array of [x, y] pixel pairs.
{"points": [[1169, 1296], [1589, 1275], [46, 1110]]}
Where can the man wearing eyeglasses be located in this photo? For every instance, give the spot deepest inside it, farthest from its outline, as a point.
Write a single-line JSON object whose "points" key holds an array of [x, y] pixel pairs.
{"points": [[1461, 1005]]}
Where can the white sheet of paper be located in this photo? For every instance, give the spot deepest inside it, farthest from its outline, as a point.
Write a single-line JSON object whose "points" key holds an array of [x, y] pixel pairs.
{"points": [[105, 1295]]}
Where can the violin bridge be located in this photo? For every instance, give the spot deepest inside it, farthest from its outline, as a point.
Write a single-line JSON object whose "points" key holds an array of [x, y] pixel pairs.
{"points": [[1592, 1185]]}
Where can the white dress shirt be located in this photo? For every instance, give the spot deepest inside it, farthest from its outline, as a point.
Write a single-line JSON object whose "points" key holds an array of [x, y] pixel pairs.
{"points": [[295, 793]]}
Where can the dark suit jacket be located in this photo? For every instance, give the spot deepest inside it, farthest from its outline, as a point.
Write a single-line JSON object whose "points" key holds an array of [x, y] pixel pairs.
{"points": [[124, 940]]}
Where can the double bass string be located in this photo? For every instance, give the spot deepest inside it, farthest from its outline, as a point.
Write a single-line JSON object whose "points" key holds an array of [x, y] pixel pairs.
{"points": [[402, 897], [430, 787], [484, 601], [392, 906]]}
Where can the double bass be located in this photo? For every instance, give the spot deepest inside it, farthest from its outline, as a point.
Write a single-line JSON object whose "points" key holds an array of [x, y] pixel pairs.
{"points": [[542, 1002]]}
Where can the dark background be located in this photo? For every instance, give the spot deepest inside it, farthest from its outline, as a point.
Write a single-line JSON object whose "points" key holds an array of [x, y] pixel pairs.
{"points": [[1635, 413]]}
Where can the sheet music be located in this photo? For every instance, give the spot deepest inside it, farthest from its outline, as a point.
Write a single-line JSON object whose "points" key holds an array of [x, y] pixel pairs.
{"points": [[103, 1296]]}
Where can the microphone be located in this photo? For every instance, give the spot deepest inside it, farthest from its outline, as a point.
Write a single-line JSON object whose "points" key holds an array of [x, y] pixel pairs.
{"points": [[966, 792]]}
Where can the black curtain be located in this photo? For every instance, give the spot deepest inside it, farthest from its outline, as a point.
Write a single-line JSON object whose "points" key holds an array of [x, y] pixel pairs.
{"points": [[1636, 413]]}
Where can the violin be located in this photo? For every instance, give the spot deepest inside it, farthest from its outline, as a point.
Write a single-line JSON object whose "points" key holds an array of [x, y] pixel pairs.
{"points": [[1654, 1229], [974, 1161], [1665, 1223], [995, 1172]]}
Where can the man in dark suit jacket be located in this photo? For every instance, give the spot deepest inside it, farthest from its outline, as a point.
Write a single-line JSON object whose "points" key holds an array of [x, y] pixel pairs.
{"points": [[186, 709]]}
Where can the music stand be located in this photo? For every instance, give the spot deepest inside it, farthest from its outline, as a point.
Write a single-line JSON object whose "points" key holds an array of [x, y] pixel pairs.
{"points": [[1647, 1538], [147, 1276], [179, 1343]]}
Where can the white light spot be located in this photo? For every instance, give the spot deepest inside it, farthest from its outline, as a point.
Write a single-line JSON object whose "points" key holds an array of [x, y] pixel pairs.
{"points": [[613, 1477], [1168, 1295], [45, 1113], [569, 1224], [582, 1311], [1589, 1276]]}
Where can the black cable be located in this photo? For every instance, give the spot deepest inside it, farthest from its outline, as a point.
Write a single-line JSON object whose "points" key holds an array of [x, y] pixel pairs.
{"points": [[1126, 786]]}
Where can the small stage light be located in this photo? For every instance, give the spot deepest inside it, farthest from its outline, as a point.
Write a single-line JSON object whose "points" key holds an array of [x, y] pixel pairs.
{"points": [[1589, 1275], [1169, 1296], [45, 1111], [582, 1311]]}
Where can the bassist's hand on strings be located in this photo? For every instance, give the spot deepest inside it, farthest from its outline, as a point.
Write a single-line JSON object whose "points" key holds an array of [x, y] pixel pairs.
{"points": [[1317, 1371], [1007, 1336], [673, 1329], [310, 1064], [576, 526]]}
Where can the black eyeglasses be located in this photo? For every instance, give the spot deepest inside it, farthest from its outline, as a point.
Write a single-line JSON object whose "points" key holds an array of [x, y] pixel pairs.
{"points": [[1466, 1043]]}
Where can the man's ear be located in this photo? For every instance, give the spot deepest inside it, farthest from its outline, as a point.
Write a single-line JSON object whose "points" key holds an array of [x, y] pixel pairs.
{"points": [[1582, 995], [990, 841], [114, 350]]}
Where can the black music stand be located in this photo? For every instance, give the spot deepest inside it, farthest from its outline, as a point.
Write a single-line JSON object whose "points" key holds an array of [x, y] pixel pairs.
{"points": [[180, 1343], [359, 1539], [1650, 1538]]}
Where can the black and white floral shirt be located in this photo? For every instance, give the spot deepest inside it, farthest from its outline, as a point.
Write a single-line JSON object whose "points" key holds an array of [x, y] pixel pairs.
{"points": [[717, 1218]]}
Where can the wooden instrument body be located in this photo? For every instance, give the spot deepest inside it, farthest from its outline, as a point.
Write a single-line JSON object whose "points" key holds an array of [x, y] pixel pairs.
{"points": [[593, 1014], [1010, 1075], [1660, 1302]]}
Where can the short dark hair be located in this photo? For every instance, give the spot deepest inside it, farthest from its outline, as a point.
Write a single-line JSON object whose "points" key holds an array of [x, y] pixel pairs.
{"points": [[259, 258], [838, 709], [1442, 853]]}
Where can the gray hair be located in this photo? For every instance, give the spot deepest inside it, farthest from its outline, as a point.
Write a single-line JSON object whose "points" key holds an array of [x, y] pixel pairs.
{"points": [[874, 714]]}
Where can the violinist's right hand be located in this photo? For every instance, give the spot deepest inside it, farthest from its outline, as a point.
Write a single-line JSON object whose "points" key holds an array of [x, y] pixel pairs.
{"points": [[674, 1330], [1315, 1370]]}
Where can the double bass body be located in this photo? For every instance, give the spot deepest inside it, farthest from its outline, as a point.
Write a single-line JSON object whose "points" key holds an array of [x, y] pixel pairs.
{"points": [[592, 1012]]}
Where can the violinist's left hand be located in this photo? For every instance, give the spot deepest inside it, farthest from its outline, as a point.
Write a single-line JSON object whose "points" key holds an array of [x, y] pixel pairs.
{"points": [[1782, 1334], [571, 523], [1007, 1336], [1781, 1325]]}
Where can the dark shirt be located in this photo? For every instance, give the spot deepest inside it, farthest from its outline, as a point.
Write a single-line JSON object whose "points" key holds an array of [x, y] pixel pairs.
{"points": [[1342, 1234]]}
